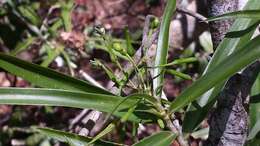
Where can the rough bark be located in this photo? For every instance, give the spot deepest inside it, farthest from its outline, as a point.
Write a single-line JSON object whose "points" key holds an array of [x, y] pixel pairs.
{"points": [[218, 29], [229, 122]]}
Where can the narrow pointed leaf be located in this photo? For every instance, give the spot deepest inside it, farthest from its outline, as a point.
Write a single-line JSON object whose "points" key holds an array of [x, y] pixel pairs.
{"points": [[254, 110], [111, 126], [229, 46], [130, 48], [30, 14], [226, 47], [22, 46], [54, 97], [73, 138], [221, 72], [181, 61], [255, 99], [179, 74], [45, 77], [241, 33], [254, 131], [66, 7], [52, 54], [55, 26], [164, 138], [201, 134], [251, 14], [193, 117], [107, 130], [163, 44]]}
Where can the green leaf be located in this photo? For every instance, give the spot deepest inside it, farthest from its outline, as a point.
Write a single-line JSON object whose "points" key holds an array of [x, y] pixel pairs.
{"points": [[179, 74], [45, 77], [73, 138], [220, 73], [22, 46], [149, 99], [55, 26], [254, 110], [162, 45], [229, 46], [206, 42], [164, 138], [111, 126], [55, 97], [123, 119], [108, 129], [52, 54], [194, 116], [66, 8], [255, 99], [201, 134], [226, 47], [239, 33], [253, 142], [254, 130], [108, 71], [29, 13], [181, 61], [250, 14], [130, 48]]}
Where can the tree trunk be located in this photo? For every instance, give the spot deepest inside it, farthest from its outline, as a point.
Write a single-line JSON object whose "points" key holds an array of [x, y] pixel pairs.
{"points": [[229, 122], [218, 29]]}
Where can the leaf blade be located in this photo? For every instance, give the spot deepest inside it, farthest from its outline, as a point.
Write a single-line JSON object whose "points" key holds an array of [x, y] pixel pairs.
{"points": [[254, 109], [77, 139], [162, 45], [251, 14], [163, 138], [231, 65], [54, 97], [22, 46], [226, 47], [45, 77]]}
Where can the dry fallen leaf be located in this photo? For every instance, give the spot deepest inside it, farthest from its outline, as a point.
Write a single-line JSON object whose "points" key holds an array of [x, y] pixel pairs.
{"points": [[73, 39]]}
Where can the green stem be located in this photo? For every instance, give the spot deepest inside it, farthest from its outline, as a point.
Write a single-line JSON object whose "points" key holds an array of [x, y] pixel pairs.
{"points": [[68, 61], [137, 71], [118, 40]]}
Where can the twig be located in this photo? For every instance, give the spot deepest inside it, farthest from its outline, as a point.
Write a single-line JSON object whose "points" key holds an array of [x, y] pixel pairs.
{"points": [[45, 20], [175, 127], [191, 13], [90, 79]]}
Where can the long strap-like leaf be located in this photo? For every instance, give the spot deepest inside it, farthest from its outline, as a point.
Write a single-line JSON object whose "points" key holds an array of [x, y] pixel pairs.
{"points": [[162, 46], [226, 47], [163, 138], [218, 74], [54, 97], [45, 77], [73, 138], [250, 14]]}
